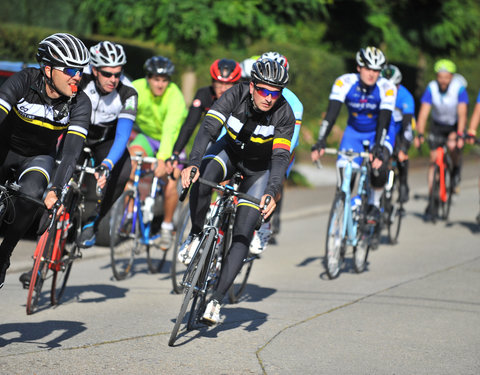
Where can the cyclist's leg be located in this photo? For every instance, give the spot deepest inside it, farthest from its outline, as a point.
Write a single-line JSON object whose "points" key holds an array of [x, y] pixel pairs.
{"points": [[33, 175], [437, 138], [456, 155]]}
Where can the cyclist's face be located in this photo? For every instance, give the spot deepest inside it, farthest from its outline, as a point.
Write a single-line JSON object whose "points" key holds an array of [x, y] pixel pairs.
{"points": [[62, 81], [444, 79], [107, 84], [158, 84], [263, 103], [368, 76], [220, 87]]}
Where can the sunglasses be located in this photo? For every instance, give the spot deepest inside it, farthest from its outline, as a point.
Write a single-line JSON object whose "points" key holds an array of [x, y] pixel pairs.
{"points": [[72, 72], [108, 74], [264, 92]]}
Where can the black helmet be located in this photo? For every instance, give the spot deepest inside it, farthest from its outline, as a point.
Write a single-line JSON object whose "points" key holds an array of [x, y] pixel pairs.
{"points": [[63, 50], [269, 72], [158, 65]]}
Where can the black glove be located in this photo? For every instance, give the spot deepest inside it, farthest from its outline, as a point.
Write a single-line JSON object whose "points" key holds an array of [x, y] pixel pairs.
{"points": [[319, 145], [379, 152], [102, 169]]}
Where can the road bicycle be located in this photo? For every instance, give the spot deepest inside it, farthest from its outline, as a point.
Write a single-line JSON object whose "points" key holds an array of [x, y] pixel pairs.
{"points": [[392, 208], [57, 247], [347, 223], [440, 196], [202, 273], [133, 227]]}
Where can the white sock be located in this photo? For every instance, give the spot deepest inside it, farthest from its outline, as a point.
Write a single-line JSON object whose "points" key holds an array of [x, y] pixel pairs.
{"points": [[168, 226]]}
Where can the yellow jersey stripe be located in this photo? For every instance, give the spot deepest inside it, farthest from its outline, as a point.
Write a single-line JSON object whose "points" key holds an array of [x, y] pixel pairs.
{"points": [[40, 123], [249, 205], [4, 109], [77, 133], [216, 117]]}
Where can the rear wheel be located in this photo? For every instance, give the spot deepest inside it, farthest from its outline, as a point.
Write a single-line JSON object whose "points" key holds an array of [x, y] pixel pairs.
{"points": [[434, 198], [394, 213], [445, 206], [124, 240], [335, 243], [177, 268]]}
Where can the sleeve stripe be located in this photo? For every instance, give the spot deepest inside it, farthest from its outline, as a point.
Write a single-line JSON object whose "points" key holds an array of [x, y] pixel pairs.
{"points": [[77, 133], [248, 204], [216, 114], [78, 129], [281, 143], [5, 105], [4, 109]]}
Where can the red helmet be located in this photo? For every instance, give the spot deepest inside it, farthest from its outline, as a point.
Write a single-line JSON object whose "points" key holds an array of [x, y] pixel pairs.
{"points": [[225, 70]]}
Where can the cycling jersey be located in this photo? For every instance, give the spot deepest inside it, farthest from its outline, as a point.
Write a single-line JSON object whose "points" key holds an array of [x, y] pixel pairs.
{"points": [[203, 100], [160, 117], [404, 105], [262, 140], [444, 104], [112, 116], [31, 122], [363, 103]]}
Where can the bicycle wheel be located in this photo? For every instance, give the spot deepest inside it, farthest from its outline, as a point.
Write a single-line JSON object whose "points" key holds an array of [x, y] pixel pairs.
{"points": [[445, 206], [395, 213], [177, 268], [335, 243], [192, 275], [434, 197], [70, 252], [124, 241], [40, 268]]}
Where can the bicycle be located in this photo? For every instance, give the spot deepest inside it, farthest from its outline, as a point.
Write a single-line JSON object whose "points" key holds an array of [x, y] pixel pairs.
{"points": [[204, 269], [132, 224], [57, 248], [347, 223], [440, 196], [393, 210]]}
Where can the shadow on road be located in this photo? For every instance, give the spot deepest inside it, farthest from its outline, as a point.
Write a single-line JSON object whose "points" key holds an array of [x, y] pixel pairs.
{"points": [[39, 333], [473, 227], [92, 293]]}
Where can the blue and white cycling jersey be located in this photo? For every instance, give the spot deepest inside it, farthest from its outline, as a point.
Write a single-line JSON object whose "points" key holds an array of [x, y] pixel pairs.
{"points": [[404, 105], [478, 97], [444, 104], [363, 106]]}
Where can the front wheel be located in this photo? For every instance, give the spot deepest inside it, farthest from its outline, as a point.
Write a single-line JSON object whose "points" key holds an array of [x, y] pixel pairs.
{"points": [[177, 268], [335, 243], [394, 214], [124, 241]]}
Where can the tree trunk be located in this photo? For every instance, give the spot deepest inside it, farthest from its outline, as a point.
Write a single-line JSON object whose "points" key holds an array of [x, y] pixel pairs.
{"points": [[189, 80], [420, 79]]}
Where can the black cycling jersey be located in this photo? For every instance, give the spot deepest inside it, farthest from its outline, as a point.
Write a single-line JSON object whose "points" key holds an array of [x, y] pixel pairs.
{"points": [[107, 109], [31, 122], [203, 101], [261, 139]]}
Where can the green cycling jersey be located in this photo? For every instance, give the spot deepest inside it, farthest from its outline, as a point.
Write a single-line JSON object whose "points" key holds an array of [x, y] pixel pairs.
{"points": [[160, 117]]}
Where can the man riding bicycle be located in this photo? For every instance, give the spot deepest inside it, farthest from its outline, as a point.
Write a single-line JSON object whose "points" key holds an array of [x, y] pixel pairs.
{"points": [[114, 107], [370, 100], [447, 98], [260, 126], [404, 124], [37, 107], [160, 114]]}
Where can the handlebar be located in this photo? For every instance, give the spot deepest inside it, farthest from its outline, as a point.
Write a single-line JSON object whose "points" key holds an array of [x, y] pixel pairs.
{"points": [[231, 190]]}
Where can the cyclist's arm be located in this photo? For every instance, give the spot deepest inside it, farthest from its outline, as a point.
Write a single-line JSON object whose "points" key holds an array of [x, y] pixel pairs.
{"points": [[122, 134], [172, 122], [472, 128], [12, 91], [384, 118], [333, 110], [188, 127]]}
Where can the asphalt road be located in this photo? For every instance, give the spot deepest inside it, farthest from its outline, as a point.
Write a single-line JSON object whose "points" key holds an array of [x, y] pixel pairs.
{"points": [[415, 310]]}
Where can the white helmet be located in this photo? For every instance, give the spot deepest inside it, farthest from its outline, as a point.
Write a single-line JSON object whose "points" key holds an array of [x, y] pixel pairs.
{"points": [[63, 49], [392, 73], [275, 56], [371, 57], [107, 54], [247, 65]]}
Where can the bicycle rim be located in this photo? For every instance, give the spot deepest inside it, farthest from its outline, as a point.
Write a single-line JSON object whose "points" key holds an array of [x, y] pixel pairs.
{"points": [[123, 243], [240, 283], [334, 244], [449, 187], [434, 198], [360, 253], [40, 269], [155, 258], [395, 214], [177, 268], [192, 276]]}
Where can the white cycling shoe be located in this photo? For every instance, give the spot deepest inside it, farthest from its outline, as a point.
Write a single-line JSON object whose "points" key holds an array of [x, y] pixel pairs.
{"points": [[260, 239], [188, 249]]}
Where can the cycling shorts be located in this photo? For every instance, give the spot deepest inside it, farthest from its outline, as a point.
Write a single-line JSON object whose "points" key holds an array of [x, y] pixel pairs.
{"points": [[146, 143]]}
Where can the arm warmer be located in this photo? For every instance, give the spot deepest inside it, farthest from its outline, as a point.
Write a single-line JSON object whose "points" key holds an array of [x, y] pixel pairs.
{"points": [[124, 128], [71, 151], [383, 124]]}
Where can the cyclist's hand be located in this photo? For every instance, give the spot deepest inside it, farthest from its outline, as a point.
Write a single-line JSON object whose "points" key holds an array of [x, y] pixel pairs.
{"points": [[402, 156], [161, 169], [470, 137], [318, 149], [186, 176], [101, 174], [171, 163], [460, 142], [267, 211], [50, 199], [418, 140], [376, 162]]}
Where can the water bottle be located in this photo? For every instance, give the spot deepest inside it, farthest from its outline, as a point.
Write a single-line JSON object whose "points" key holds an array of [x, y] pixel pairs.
{"points": [[148, 209]]}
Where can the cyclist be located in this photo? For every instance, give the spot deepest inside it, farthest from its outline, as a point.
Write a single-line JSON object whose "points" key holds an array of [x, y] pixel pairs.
{"points": [[225, 73], [37, 106], [447, 97], [472, 133], [114, 107], [404, 118], [370, 100], [160, 114], [260, 126], [266, 234]]}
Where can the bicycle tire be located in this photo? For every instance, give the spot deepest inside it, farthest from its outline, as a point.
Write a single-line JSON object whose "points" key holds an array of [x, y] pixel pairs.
{"points": [[61, 275], [434, 197], [335, 244], [123, 243], [237, 289], [177, 268], [40, 268], [445, 206], [395, 213], [365, 232], [155, 264], [194, 270]]}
